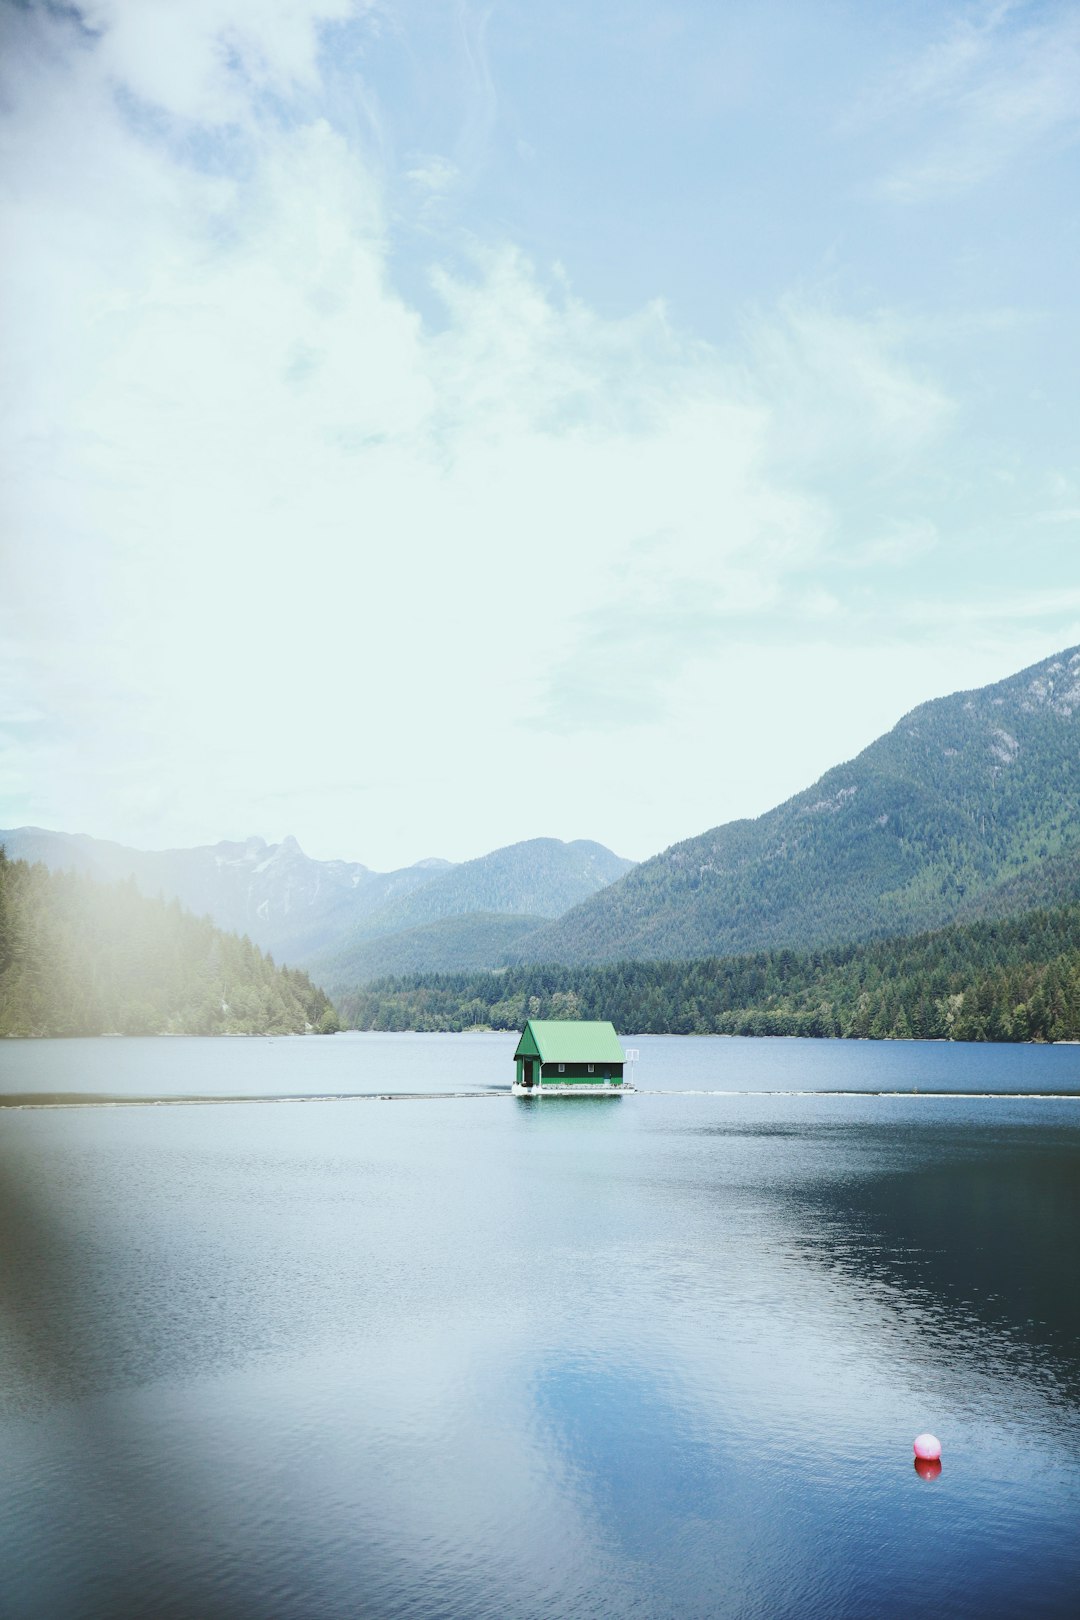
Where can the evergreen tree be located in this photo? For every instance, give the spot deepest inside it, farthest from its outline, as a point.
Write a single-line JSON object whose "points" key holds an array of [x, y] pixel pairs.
{"points": [[83, 958], [985, 981]]}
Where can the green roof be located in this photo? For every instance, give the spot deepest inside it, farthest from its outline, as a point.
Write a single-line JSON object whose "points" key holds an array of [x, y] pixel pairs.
{"points": [[564, 1041]]}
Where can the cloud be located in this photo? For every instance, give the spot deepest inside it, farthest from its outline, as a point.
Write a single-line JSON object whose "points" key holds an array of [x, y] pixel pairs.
{"points": [[998, 86], [207, 60], [1049, 605], [254, 496], [841, 387], [272, 530], [482, 97], [904, 543], [735, 515], [434, 174], [630, 648]]}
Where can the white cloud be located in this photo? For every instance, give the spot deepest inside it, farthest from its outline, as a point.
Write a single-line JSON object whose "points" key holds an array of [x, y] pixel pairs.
{"points": [[203, 59], [841, 387], [998, 85], [434, 174], [270, 531], [1048, 605], [905, 542]]}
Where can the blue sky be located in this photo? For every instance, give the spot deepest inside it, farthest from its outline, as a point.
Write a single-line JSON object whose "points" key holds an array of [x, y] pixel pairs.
{"points": [[412, 409]]}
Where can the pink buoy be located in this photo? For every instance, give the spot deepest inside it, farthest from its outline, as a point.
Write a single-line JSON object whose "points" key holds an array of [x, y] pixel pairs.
{"points": [[927, 1447], [927, 1468]]}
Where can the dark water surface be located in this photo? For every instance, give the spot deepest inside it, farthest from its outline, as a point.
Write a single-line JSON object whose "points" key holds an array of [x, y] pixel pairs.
{"points": [[661, 1355]]}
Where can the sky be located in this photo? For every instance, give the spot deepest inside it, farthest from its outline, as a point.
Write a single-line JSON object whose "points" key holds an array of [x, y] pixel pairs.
{"points": [[428, 424]]}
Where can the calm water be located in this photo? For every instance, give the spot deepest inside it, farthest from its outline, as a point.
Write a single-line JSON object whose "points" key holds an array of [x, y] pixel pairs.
{"points": [[656, 1356], [374, 1064]]}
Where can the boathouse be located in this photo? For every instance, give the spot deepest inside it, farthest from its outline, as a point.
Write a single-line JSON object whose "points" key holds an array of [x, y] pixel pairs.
{"points": [[560, 1055]]}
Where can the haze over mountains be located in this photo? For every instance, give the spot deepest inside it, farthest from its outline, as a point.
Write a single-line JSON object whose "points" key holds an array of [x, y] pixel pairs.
{"points": [[970, 806], [304, 910], [474, 915], [82, 957]]}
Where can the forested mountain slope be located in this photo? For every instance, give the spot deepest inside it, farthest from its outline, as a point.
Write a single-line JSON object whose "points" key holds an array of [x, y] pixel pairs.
{"points": [[473, 915], [967, 795], [1016, 980], [481, 939], [542, 877], [79, 957], [1054, 881]]}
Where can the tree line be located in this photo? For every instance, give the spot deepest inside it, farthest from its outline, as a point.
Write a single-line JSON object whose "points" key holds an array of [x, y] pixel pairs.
{"points": [[1011, 980], [78, 957]]}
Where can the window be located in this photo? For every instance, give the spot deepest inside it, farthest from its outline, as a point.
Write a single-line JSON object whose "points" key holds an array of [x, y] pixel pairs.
{"points": [[590, 1068], [562, 1068]]}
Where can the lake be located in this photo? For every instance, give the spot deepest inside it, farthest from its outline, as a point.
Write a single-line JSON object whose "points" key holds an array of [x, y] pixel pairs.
{"points": [[661, 1355]]}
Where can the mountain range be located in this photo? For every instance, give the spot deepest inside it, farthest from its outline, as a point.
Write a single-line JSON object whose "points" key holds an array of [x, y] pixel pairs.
{"points": [[968, 807], [335, 913]]}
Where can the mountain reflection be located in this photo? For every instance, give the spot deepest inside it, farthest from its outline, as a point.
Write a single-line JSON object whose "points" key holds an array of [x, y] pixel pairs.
{"points": [[965, 1227]]}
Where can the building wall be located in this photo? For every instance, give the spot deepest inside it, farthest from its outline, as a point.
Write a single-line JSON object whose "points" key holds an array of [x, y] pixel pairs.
{"points": [[578, 1073]]}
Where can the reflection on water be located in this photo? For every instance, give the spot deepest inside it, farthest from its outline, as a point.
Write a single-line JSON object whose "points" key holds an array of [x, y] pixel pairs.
{"points": [[654, 1356], [971, 1228]]}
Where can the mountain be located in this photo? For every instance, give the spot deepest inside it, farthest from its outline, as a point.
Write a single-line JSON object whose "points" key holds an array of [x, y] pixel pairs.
{"points": [[472, 915], [283, 900], [481, 939], [304, 910], [542, 877], [1042, 885], [970, 801], [79, 957]]}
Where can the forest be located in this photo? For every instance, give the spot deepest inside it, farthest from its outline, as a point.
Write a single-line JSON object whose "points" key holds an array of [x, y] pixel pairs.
{"points": [[1013, 980], [79, 957]]}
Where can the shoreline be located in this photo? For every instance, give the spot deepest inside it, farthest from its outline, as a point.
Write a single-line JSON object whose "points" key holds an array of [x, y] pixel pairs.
{"points": [[487, 1029]]}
